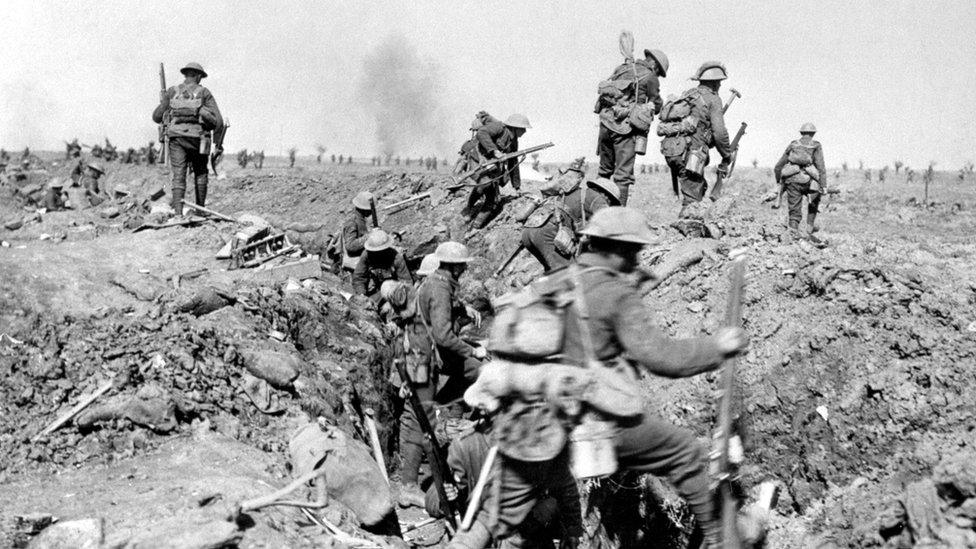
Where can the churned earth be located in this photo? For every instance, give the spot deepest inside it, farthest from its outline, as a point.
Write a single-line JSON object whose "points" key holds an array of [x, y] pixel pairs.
{"points": [[855, 396]]}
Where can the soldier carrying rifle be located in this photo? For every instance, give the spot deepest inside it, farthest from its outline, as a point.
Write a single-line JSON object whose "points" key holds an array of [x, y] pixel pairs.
{"points": [[190, 114], [496, 138]]}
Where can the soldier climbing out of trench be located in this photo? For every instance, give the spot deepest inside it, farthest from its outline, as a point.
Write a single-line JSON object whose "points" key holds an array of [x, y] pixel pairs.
{"points": [[495, 138], [192, 116], [380, 261], [800, 172], [551, 233], [608, 329]]}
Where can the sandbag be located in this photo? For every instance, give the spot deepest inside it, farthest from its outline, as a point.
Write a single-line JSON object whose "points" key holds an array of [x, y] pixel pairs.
{"points": [[813, 172], [799, 178], [790, 170]]}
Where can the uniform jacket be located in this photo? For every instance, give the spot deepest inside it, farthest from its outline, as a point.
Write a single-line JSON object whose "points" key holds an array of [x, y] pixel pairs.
{"points": [[648, 91], [465, 457], [496, 136], [439, 304], [711, 128], [374, 268], [208, 110], [354, 233], [621, 325], [818, 158]]}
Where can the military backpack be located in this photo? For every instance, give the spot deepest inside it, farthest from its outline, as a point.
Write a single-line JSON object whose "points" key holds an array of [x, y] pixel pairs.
{"points": [[679, 121]]}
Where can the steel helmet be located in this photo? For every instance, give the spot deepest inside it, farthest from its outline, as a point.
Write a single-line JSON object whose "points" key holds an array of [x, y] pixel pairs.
{"points": [[662, 60], [452, 252], [194, 67], [363, 201], [428, 265], [711, 70], [378, 240], [97, 166], [808, 128], [518, 121], [608, 187], [395, 292], [621, 224]]}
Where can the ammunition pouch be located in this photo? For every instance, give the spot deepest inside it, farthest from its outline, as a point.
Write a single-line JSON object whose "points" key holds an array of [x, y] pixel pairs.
{"points": [[674, 146], [790, 170], [684, 127], [193, 129], [799, 178], [813, 172], [565, 241], [641, 117]]}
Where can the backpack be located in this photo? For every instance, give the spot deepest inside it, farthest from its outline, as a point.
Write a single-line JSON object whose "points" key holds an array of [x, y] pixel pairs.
{"points": [[677, 115], [801, 154]]}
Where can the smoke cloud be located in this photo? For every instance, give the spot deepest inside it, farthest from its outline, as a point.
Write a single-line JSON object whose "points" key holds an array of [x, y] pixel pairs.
{"points": [[402, 92]]}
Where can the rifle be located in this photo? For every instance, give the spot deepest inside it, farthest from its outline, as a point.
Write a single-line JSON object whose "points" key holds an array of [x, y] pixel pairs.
{"points": [[163, 138], [218, 145], [508, 261], [459, 181], [733, 317], [719, 175], [372, 211], [414, 198], [439, 468]]}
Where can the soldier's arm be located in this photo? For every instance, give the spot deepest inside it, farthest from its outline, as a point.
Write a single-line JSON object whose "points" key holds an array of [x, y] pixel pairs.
{"points": [[645, 344], [442, 325], [818, 161], [486, 137], [781, 163], [652, 88], [403, 273], [209, 111], [354, 244], [163, 106], [359, 276], [720, 134]]}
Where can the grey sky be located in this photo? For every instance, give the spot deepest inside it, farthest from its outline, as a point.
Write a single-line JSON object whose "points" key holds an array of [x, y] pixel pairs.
{"points": [[882, 80]]}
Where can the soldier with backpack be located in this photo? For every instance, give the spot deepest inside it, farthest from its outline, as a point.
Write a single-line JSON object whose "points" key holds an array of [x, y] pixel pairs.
{"points": [[800, 172], [690, 125], [552, 234], [627, 103], [567, 352], [496, 138]]}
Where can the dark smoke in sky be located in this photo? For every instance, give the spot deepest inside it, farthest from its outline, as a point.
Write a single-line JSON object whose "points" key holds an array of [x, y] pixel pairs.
{"points": [[403, 92]]}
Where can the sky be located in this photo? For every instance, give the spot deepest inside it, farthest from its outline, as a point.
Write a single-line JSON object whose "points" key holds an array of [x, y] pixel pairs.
{"points": [[882, 81]]}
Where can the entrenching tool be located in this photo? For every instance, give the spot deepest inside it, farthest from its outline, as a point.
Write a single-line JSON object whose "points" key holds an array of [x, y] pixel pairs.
{"points": [[474, 503], [414, 198], [508, 261], [459, 181], [213, 213], [721, 176], [735, 93], [731, 538]]}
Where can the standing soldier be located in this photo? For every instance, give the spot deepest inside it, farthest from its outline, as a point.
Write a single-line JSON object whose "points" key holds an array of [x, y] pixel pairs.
{"points": [[801, 172], [379, 262], [627, 104], [193, 114], [621, 335], [495, 139], [691, 125], [260, 159], [151, 153], [552, 234]]}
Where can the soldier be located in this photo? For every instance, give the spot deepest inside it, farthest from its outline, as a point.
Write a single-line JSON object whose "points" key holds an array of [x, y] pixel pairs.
{"points": [[291, 157], [242, 158], [379, 262], [910, 173], [428, 265], [630, 96], [495, 139], [260, 159], [88, 176], [151, 153], [686, 149], [54, 199], [552, 237], [801, 172], [72, 150], [466, 457], [96, 151], [356, 227], [867, 175], [193, 114], [623, 337]]}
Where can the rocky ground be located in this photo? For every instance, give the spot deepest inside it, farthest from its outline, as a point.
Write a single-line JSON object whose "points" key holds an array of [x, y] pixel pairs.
{"points": [[856, 392]]}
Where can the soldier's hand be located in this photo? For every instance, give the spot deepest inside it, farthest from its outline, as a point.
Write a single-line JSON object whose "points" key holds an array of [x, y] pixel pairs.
{"points": [[474, 315], [731, 341], [450, 491], [164, 98], [479, 352], [723, 168], [497, 153]]}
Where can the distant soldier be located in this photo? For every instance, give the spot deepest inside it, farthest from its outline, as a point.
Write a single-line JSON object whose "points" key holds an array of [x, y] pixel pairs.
{"points": [[867, 175], [627, 103], [380, 261], [193, 115], [291, 157], [260, 159], [691, 125], [882, 174], [242, 158], [109, 152], [4, 155], [801, 172], [495, 139], [349, 159], [26, 154], [551, 234], [96, 151], [623, 337], [333, 158], [151, 153], [357, 225], [89, 176], [72, 150], [910, 173], [341, 159]]}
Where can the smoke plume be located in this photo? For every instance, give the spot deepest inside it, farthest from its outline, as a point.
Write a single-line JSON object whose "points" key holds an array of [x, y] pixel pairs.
{"points": [[402, 92]]}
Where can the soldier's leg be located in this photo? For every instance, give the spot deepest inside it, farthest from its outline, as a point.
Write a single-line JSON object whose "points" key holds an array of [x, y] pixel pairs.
{"points": [[794, 198], [413, 445], [178, 163], [201, 176], [658, 447], [674, 166], [539, 242], [692, 187], [606, 151], [624, 156], [533, 242], [487, 209], [813, 207]]}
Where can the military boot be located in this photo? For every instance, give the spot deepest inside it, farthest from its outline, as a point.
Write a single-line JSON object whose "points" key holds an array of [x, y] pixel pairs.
{"points": [[411, 496], [811, 225], [476, 537], [201, 192], [177, 201]]}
